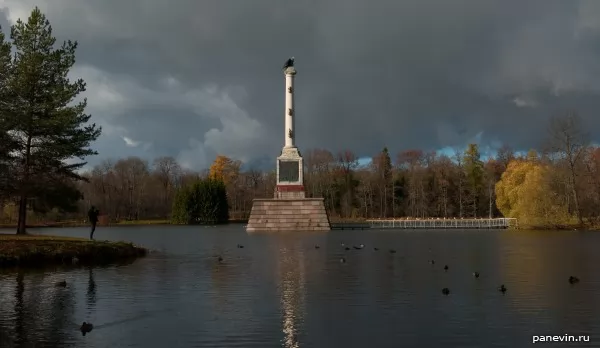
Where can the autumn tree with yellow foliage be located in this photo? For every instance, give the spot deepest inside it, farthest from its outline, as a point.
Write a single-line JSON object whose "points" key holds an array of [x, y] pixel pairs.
{"points": [[225, 169], [525, 192]]}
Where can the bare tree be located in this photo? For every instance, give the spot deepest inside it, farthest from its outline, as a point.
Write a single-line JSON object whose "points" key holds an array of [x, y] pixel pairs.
{"points": [[504, 155], [414, 163], [132, 173], [167, 171], [320, 166], [568, 141], [347, 162]]}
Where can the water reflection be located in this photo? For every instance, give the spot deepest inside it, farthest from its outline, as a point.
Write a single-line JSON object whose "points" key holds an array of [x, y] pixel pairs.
{"points": [[19, 310], [535, 266], [41, 314], [537, 261], [222, 273], [91, 291], [291, 262]]}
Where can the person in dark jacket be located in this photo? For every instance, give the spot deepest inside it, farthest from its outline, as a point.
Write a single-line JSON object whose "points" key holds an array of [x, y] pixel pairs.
{"points": [[93, 217]]}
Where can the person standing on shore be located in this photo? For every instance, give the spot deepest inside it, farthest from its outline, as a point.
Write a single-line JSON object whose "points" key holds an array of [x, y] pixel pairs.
{"points": [[93, 217]]}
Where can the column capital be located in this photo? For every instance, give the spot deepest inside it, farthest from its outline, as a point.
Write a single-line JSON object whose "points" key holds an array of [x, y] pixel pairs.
{"points": [[290, 70]]}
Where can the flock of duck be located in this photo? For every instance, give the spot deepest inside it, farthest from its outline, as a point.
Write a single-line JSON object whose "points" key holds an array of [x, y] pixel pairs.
{"points": [[502, 288]]}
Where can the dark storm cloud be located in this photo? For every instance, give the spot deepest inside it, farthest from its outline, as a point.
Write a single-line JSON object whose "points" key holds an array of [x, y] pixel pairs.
{"points": [[196, 78], [164, 136]]}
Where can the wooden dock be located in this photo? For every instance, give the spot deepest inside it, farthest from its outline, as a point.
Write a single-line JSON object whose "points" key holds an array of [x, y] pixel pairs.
{"points": [[494, 223]]}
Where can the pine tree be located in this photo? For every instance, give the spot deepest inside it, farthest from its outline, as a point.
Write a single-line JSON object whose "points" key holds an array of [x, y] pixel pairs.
{"points": [[382, 164], [7, 145], [474, 174], [47, 123]]}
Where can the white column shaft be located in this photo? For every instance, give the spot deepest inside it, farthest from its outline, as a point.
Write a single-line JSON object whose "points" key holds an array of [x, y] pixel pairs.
{"points": [[289, 105]]}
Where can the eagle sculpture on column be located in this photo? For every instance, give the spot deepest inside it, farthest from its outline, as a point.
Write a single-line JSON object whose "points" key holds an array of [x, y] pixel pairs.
{"points": [[289, 63]]}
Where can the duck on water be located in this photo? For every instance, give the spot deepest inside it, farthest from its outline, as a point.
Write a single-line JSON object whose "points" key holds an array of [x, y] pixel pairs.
{"points": [[86, 328]]}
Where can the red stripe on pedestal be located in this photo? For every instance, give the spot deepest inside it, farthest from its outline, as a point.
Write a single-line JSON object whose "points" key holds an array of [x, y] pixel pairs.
{"points": [[289, 188]]}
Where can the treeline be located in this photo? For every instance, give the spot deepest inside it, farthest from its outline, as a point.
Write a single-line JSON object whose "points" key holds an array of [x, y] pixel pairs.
{"points": [[552, 188]]}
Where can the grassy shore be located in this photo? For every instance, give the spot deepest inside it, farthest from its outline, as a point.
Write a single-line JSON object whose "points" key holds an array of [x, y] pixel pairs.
{"points": [[63, 224], [39, 251], [141, 222], [568, 227], [162, 222]]}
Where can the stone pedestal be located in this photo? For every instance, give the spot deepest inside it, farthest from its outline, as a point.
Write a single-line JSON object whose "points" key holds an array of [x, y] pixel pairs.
{"points": [[289, 210], [304, 214]]}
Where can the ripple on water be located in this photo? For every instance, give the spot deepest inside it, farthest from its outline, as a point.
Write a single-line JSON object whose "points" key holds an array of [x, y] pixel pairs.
{"points": [[279, 291]]}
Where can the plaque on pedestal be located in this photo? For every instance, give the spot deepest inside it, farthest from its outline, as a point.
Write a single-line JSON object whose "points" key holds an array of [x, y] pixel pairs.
{"points": [[289, 171]]}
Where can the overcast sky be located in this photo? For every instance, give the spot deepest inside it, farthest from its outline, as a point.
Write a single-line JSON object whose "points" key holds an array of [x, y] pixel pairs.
{"points": [[193, 78]]}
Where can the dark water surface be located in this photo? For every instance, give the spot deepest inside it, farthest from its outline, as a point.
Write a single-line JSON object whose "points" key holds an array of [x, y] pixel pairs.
{"points": [[279, 291]]}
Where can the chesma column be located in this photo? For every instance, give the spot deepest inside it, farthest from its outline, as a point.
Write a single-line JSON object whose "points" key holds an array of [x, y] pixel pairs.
{"points": [[289, 209], [290, 173]]}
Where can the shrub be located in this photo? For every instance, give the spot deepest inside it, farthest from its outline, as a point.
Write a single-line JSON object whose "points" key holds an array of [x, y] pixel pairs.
{"points": [[203, 202]]}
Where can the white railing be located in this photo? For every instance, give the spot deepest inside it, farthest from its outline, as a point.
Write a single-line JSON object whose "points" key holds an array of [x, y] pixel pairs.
{"points": [[435, 223]]}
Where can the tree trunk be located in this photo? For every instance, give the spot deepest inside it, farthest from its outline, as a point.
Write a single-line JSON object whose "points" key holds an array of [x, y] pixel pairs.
{"points": [[21, 225], [576, 197], [460, 201], [393, 197], [445, 190], [490, 193]]}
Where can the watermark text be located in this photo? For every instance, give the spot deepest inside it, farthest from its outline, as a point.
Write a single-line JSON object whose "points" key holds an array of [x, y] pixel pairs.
{"points": [[562, 338]]}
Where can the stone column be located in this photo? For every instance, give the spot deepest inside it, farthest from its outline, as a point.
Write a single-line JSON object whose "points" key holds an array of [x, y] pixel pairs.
{"points": [[290, 136]]}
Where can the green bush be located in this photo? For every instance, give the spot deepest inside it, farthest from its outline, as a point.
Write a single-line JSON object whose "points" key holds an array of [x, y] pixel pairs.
{"points": [[203, 202]]}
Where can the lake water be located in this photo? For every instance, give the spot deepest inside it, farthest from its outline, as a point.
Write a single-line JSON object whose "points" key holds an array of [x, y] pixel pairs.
{"points": [[279, 291]]}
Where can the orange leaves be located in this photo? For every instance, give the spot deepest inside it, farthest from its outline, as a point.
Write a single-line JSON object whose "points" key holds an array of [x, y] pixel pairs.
{"points": [[217, 169]]}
